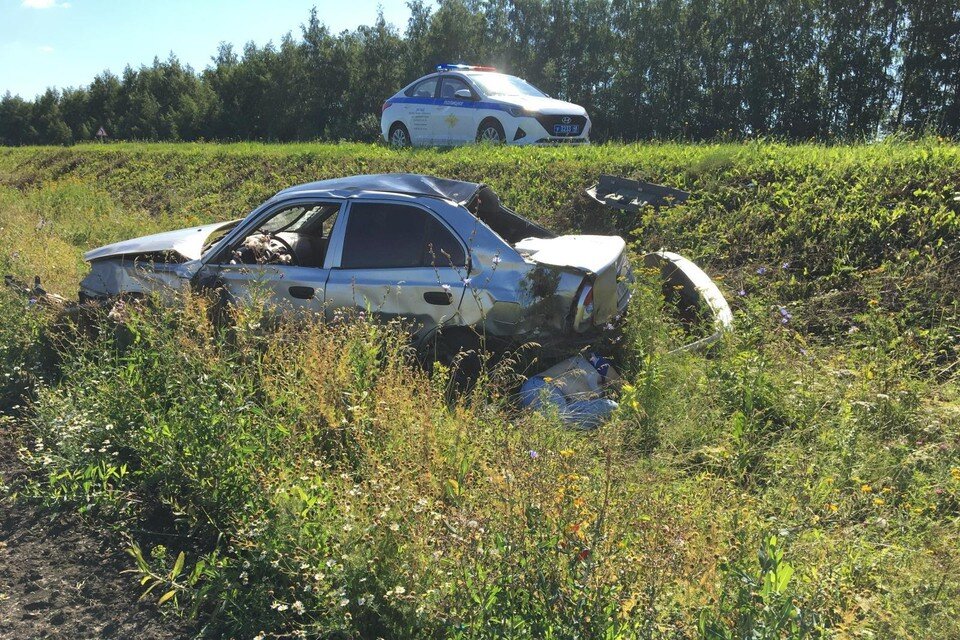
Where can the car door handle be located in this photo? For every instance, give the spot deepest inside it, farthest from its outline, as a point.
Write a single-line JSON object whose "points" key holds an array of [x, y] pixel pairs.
{"points": [[438, 297], [304, 293]]}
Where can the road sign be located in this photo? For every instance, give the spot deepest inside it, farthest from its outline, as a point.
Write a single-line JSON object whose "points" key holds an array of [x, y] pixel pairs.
{"points": [[101, 133]]}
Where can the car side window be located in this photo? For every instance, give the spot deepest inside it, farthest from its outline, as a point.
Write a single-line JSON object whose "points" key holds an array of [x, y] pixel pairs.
{"points": [[425, 89], [450, 86], [297, 235], [391, 236]]}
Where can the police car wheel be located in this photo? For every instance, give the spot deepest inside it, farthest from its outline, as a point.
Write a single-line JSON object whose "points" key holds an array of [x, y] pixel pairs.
{"points": [[490, 131], [399, 136]]}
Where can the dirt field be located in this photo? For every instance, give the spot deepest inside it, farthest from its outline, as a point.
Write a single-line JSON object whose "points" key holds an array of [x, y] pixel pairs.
{"points": [[59, 578]]}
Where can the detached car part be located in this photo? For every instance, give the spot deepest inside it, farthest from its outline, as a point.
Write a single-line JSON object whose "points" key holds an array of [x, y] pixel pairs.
{"points": [[632, 195], [697, 298]]}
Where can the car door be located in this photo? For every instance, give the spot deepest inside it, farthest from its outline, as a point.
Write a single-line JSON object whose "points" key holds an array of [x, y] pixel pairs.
{"points": [[298, 285], [421, 111], [455, 120], [398, 260]]}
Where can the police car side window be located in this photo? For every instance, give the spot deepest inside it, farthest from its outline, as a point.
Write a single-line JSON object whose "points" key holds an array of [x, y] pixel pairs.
{"points": [[425, 89], [391, 236], [450, 86]]}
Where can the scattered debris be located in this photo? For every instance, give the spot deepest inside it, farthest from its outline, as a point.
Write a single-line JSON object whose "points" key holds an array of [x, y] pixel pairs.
{"points": [[633, 195], [575, 388], [36, 294]]}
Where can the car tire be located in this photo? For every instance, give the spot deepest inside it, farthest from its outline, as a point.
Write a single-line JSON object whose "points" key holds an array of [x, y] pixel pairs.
{"points": [[491, 131], [399, 136]]}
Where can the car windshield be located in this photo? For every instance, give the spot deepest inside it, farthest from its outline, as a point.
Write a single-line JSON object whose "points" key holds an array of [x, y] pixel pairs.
{"points": [[499, 84], [299, 218]]}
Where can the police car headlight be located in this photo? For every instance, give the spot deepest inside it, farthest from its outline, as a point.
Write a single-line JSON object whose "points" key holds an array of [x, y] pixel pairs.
{"points": [[520, 112]]}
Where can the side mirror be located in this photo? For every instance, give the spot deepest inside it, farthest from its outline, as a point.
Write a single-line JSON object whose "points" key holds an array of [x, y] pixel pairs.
{"points": [[463, 94]]}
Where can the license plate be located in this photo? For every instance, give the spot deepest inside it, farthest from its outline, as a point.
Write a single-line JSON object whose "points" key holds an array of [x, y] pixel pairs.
{"points": [[566, 129]]}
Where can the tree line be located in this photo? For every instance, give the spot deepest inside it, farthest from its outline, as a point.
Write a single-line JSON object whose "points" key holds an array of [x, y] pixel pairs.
{"points": [[678, 69]]}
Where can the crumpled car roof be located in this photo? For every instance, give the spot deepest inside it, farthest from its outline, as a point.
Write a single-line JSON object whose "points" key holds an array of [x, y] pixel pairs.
{"points": [[405, 183]]}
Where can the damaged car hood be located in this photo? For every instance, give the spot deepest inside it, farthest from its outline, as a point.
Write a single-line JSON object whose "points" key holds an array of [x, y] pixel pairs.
{"points": [[188, 243]]}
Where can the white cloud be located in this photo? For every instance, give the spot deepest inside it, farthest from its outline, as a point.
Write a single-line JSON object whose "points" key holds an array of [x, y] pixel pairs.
{"points": [[44, 4], [45, 49]]}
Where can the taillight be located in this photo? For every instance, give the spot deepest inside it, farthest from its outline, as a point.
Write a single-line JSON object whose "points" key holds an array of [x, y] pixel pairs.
{"points": [[583, 313], [384, 107]]}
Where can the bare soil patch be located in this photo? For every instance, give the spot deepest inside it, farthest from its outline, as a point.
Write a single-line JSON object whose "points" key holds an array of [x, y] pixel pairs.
{"points": [[62, 578]]}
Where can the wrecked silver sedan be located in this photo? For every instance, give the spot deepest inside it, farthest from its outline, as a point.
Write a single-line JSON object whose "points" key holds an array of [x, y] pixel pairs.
{"points": [[439, 253]]}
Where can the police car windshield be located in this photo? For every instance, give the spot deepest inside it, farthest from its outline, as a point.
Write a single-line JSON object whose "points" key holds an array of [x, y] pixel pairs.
{"points": [[498, 84]]}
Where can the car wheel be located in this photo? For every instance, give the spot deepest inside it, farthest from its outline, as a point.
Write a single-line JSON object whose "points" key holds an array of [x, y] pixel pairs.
{"points": [[491, 131], [399, 136]]}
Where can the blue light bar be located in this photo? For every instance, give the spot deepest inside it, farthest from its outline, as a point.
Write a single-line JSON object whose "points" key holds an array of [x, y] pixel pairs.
{"points": [[449, 66]]}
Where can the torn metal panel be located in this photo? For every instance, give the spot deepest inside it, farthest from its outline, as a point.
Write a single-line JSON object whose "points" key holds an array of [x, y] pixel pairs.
{"points": [[633, 195]]}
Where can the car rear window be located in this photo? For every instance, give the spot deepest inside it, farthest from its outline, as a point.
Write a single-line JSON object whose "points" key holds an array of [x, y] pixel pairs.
{"points": [[390, 236]]}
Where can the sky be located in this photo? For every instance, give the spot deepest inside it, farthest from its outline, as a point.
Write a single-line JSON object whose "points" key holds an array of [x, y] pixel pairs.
{"points": [[65, 43]]}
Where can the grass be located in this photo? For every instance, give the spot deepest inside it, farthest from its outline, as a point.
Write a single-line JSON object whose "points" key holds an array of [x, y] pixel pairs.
{"points": [[802, 480]]}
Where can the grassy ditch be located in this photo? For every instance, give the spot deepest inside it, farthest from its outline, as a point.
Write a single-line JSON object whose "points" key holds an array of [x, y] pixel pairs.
{"points": [[802, 480]]}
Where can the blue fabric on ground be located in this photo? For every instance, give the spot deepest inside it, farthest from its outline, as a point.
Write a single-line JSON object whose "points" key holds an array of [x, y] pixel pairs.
{"points": [[584, 414], [532, 395], [588, 414]]}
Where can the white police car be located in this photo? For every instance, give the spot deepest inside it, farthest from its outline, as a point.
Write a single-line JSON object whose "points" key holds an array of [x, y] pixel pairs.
{"points": [[462, 103]]}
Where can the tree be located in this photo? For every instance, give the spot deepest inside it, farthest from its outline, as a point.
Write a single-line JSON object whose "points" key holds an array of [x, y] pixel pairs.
{"points": [[48, 121], [689, 69], [16, 121], [930, 67]]}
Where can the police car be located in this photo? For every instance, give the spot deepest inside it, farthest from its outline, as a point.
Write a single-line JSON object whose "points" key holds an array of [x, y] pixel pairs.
{"points": [[463, 103]]}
